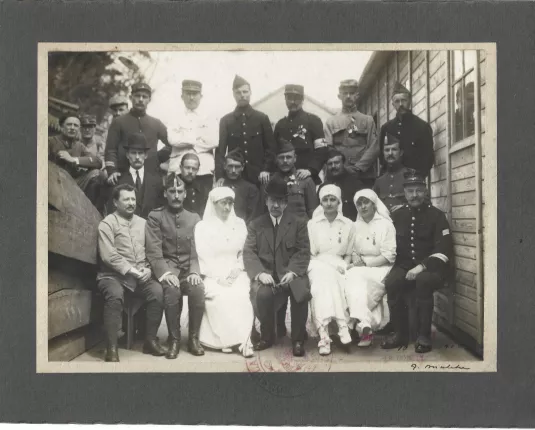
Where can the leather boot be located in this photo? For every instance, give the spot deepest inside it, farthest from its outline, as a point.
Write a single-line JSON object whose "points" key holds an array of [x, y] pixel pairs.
{"points": [[112, 354], [153, 347], [194, 345], [172, 320], [174, 349]]}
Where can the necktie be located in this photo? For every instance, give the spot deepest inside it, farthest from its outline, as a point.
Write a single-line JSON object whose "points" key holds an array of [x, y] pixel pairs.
{"points": [[138, 181], [275, 230]]}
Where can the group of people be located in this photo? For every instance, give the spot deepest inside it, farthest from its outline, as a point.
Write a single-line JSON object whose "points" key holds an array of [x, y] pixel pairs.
{"points": [[241, 222]]}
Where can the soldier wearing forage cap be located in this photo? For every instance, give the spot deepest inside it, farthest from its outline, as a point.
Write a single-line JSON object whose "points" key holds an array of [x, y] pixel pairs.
{"points": [[247, 199], [135, 121], [118, 105], [354, 134], [94, 144], [195, 133], [389, 187], [305, 131], [249, 130], [415, 135], [423, 254], [171, 253]]}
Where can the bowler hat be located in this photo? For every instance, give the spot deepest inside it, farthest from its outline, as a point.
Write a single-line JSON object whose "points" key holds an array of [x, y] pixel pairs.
{"points": [[277, 188], [412, 177], [137, 141], [141, 86], [294, 89], [191, 85]]}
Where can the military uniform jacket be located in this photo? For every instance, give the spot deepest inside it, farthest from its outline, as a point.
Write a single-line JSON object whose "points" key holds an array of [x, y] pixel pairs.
{"points": [[349, 183], [121, 127], [355, 135], [302, 197], [249, 130], [86, 159], [246, 199], [416, 140], [305, 131], [196, 197], [422, 236], [96, 147], [169, 242], [389, 188]]}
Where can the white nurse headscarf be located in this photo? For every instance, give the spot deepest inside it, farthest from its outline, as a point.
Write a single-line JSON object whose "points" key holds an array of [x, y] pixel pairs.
{"points": [[329, 190], [380, 207], [218, 193]]}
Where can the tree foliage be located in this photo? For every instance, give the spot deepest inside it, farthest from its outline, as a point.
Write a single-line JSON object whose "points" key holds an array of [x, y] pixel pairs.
{"points": [[89, 79]]}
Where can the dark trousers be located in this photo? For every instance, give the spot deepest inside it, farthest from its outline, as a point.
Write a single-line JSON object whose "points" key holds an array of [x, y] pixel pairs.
{"points": [[423, 286], [195, 305], [265, 303], [157, 297]]}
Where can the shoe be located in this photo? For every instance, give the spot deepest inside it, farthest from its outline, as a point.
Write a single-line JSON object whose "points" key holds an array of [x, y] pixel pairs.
{"points": [[153, 347], [174, 349], [366, 338], [422, 345], [112, 354], [263, 344], [324, 346], [394, 341], [299, 349], [344, 335], [194, 346], [246, 349]]}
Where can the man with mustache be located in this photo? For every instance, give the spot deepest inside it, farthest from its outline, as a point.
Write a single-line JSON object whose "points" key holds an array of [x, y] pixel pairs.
{"points": [[249, 130], [349, 182], [415, 135], [196, 192], [171, 253], [354, 134], [135, 121], [389, 187], [423, 255], [68, 152], [305, 131], [124, 265]]}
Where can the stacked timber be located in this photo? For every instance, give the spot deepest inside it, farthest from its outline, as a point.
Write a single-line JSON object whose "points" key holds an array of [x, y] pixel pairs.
{"points": [[74, 313]]}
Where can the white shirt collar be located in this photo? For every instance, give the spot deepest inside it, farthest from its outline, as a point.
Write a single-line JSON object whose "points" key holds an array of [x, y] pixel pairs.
{"points": [[274, 220], [141, 173]]}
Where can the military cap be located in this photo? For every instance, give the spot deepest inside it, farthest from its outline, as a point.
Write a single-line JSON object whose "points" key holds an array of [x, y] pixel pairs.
{"points": [[412, 177], [141, 86], [390, 139], [236, 155], [239, 82], [284, 146], [191, 85], [277, 188], [400, 89], [172, 180], [349, 83], [294, 89], [88, 120], [117, 100], [137, 141]]}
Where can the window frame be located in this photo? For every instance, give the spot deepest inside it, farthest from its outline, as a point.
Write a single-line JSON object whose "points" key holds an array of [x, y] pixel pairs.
{"points": [[457, 145]]}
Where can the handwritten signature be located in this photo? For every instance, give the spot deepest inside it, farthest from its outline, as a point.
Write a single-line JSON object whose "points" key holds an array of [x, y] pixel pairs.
{"points": [[416, 366]]}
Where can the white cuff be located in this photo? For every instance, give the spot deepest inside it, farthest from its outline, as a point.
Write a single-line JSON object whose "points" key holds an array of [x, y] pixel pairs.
{"points": [[440, 256]]}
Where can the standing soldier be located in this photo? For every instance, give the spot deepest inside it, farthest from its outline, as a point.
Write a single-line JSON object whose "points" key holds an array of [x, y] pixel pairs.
{"points": [[354, 134], [195, 133], [135, 121], [415, 135], [171, 253], [305, 131], [249, 130], [423, 254], [118, 105]]}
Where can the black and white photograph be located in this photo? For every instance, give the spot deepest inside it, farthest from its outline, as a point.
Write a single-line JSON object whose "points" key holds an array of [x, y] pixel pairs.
{"points": [[266, 208]]}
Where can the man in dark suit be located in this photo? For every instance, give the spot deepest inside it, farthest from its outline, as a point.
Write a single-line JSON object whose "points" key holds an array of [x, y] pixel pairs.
{"points": [[148, 183], [276, 256]]}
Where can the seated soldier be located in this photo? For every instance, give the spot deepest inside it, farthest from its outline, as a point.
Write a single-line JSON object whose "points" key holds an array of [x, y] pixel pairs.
{"points": [[348, 181], [148, 184], [121, 244], [423, 254], [389, 187], [247, 200], [196, 195], [173, 258], [71, 154]]}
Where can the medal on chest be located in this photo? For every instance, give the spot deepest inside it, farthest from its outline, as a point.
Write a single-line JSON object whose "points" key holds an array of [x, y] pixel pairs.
{"points": [[301, 132]]}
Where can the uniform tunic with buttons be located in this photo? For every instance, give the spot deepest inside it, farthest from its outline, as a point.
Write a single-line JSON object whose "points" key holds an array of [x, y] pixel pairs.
{"points": [[305, 131], [132, 122], [416, 141], [389, 188], [355, 135], [302, 197], [420, 233], [249, 130], [349, 183], [196, 197], [170, 242]]}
